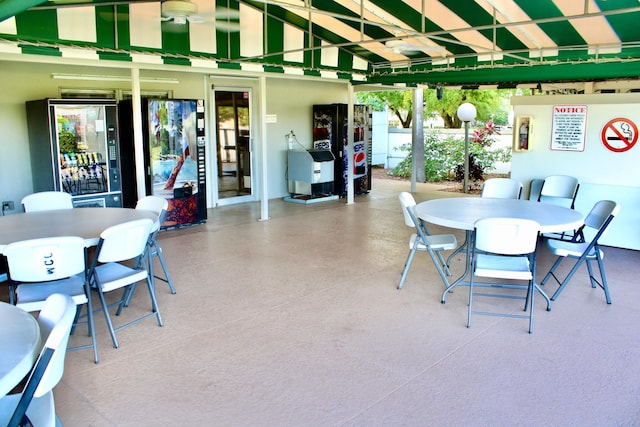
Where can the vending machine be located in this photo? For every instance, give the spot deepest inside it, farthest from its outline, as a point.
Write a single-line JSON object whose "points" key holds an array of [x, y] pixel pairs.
{"points": [[330, 133], [73, 145], [174, 157]]}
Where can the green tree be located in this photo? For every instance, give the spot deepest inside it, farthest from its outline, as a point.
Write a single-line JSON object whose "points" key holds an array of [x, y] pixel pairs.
{"points": [[490, 104], [399, 102]]}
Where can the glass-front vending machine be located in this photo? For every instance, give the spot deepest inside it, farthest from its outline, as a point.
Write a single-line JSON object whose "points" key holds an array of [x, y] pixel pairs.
{"points": [[74, 148]]}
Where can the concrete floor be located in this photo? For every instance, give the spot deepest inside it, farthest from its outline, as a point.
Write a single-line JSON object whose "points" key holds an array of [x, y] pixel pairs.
{"points": [[297, 321]]}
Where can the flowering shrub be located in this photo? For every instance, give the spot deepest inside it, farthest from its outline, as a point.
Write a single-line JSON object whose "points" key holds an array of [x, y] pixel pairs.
{"points": [[444, 155]]}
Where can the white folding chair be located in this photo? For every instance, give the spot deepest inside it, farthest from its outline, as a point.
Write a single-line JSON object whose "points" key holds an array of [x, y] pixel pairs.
{"points": [[121, 243], [39, 268], [47, 201], [157, 205], [35, 405], [502, 188], [504, 248], [586, 248], [559, 190], [423, 240], [497, 188]]}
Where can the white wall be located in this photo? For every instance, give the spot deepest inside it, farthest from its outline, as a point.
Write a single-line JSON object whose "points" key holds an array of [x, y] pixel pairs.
{"points": [[603, 174], [290, 100]]}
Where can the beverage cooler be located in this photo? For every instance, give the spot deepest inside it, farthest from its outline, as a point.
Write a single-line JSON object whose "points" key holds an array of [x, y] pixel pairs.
{"points": [[174, 157], [330, 133], [74, 148]]}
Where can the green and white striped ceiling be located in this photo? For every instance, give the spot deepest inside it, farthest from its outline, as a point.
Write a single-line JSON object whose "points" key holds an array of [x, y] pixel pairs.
{"points": [[443, 42]]}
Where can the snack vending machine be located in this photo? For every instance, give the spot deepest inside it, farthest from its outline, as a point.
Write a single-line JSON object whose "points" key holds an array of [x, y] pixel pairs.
{"points": [[174, 157], [330, 133], [73, 145]]}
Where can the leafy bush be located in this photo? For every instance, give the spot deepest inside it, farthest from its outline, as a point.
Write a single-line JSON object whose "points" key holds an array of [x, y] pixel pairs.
{"points": [[444, 156]]}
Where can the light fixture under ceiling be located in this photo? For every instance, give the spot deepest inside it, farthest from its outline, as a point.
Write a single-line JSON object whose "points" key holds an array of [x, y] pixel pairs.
{"points": [[106, 78]]}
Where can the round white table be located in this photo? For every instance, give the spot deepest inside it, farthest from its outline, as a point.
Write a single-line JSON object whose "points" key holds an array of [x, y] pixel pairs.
{"points": [[462, 213], [87, 223], [20, 345]]}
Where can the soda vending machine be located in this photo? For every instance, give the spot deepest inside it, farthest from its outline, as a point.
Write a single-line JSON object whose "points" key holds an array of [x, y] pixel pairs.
{"points": [[73, 145], [330, 133], [174, 157]]}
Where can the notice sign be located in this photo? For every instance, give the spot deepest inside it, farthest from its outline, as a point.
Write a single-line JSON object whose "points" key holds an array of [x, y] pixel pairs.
{"points": [[569, 127]]}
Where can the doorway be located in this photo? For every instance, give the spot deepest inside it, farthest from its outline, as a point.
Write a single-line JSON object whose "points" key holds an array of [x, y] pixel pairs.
{"points": [[233, 147]]}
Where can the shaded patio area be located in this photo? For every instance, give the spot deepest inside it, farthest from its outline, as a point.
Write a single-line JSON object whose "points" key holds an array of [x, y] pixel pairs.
{"points": [[297, 321]]}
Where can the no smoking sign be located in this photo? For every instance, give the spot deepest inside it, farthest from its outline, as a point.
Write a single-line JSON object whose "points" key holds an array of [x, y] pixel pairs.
{"points": [[619, 134]]}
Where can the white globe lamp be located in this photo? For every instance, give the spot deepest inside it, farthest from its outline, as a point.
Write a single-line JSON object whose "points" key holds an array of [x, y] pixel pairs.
{"points": [[466, 113]]}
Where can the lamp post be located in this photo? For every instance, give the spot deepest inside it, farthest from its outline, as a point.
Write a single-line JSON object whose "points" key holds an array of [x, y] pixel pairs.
{"points": [[466, 113]]}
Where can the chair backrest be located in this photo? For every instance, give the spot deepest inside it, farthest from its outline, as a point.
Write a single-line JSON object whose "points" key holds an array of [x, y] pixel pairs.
{"points": [[47, 201], [502, 188], [57, 314], [46, 259], [559, 189], [407, 201], [59, 311], [599, 217], [155, 204], [534, 189], [506, 236], [124, 241]]}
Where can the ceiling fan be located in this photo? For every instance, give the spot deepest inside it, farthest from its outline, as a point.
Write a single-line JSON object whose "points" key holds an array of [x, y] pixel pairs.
{"points": [[174, 14], [409, 46], [179, 12]]}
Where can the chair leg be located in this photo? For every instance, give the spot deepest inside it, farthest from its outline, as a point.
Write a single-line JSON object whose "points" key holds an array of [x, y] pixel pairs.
{"points": [[531, 290], [603, 278], [462, 248], [439, 267], [105, 309], [154, 302], [470, 299], [566, 280], [158, 253], [407, 264]]}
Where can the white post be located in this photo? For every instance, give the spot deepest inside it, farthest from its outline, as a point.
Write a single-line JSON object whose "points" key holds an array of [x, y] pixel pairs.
{"points": [[138, 137]]}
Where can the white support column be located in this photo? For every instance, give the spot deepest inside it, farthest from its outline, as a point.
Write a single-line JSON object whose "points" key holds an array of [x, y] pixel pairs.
{"points": [[350, 189], [264, 196], [138, 137]]}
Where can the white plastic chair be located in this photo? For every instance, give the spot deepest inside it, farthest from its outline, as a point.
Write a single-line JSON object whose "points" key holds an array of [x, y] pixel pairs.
{"points": [[157, 205], [586, 248], [35, 404], [39, 268], [498, 188], [120, 243], [559, 190], [508, 248], [424, 241], [47, 201], [502, 188]]}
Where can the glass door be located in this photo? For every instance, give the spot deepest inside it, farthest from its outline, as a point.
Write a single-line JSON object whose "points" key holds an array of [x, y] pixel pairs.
{"points": [[233, 149]]}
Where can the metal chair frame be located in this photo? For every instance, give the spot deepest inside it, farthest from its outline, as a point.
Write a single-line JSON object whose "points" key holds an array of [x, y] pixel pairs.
{"points": [[601, 215], [423, 240]]}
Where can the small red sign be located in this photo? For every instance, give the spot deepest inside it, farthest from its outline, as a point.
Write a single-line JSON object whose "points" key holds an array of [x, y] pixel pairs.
{"points": [[619, 134]]}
